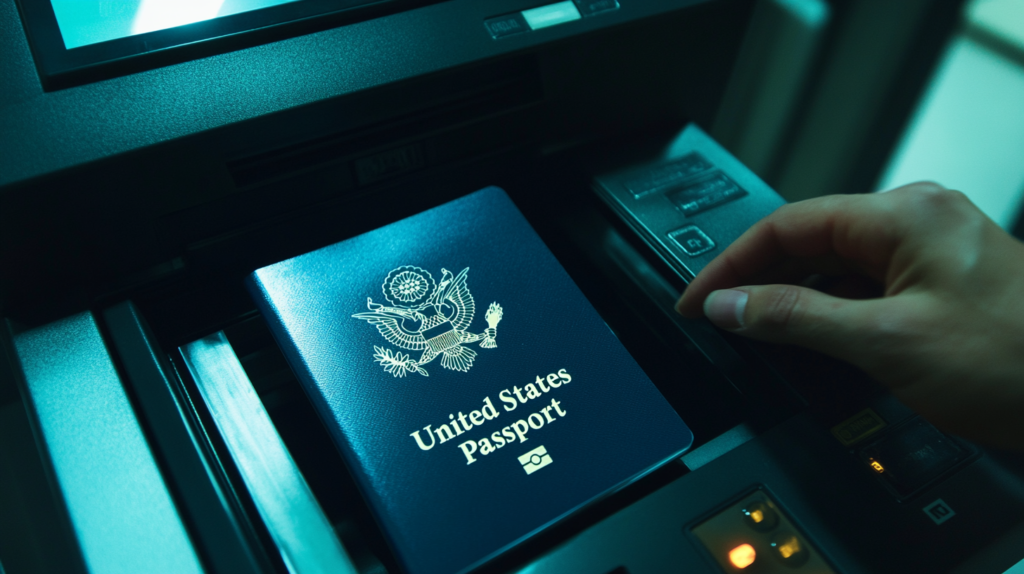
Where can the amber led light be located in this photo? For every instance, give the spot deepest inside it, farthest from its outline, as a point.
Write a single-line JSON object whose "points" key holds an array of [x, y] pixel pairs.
{"points": [[760, 516], [789, 547], [742, 556], [740, 536]]}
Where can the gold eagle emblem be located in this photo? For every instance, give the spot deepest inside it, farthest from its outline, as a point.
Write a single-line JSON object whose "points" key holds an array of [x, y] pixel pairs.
{"points": [[428, 317]]}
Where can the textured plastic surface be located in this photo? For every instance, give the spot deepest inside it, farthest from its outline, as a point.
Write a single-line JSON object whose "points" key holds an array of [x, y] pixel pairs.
{"points": [[117, 502], [441, 512], [296, 523]]}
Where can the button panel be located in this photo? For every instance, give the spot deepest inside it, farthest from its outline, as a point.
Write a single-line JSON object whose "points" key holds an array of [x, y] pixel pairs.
{"points": [[507, 25], [693, 182], [545, 16], [755, 535], [664, 177], [858, 427], [592, 7], [911, 456], [705, 193]]}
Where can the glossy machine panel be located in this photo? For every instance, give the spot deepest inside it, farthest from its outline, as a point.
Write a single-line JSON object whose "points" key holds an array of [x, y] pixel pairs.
{"points": [[297, 525], [117, 182], [167, 185], [216, 91], [100, 465]]}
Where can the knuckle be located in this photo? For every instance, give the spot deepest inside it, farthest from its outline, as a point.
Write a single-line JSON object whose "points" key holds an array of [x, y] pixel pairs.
{"points": [[926, 187], [933, 197], [929, 203], [780, 309]]}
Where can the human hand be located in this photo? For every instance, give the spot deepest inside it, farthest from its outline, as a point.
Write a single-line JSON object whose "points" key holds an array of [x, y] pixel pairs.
{"points": [[927, 298]]}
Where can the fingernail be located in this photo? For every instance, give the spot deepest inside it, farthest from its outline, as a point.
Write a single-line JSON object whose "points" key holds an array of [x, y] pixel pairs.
{"points": [[678, 306], [725, 308]]}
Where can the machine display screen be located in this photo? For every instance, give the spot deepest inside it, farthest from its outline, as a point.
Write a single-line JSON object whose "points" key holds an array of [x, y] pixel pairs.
{"points": [[81, 41], [85, 22]]}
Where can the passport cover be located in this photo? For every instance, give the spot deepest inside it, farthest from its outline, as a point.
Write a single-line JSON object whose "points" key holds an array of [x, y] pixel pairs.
{"points": [[475, 394]]}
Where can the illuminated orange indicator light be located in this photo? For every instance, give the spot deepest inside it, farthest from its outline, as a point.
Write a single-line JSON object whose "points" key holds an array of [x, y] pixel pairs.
{"points": [[757, 516], [877, 466], [789, 548], [742, 556]]}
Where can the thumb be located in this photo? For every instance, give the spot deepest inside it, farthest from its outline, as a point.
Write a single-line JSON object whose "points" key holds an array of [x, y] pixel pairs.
{"points": [[794, 315]]}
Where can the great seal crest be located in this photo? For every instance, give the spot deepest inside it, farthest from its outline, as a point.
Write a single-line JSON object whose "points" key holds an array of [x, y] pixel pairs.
{"points": [[428, 317]]}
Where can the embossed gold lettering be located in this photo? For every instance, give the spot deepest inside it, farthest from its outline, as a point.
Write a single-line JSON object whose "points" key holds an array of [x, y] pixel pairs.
{"points": [[454, 425], [499, 441], [446, 435], [535, 425], [485, 446], [517, 431], [488, 409], [462, 419], [547, 413], [476, 417], [506, 397], [419, 441], [519, 396], [468, 448]]}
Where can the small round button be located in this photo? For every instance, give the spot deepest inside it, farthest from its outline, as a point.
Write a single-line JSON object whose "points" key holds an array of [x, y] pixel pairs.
{"points": [[760, 517]]}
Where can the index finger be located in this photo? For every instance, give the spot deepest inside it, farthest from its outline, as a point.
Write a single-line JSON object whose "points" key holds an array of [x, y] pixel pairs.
{"points": [[857, 228]]}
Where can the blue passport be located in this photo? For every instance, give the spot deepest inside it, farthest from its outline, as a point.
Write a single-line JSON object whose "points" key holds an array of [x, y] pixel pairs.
{"points": [[475, 394]]}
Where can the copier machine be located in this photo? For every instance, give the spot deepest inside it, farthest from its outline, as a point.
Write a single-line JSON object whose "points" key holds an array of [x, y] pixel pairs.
{"points": [[150, 162]]}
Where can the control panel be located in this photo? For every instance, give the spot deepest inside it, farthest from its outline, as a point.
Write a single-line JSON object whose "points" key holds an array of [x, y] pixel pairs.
{"points": [[690, 204]]}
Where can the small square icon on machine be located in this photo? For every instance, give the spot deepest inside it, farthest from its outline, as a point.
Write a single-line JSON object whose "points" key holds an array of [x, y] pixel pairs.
{"points": [[939, 511], [692, 240], [535, 460]]}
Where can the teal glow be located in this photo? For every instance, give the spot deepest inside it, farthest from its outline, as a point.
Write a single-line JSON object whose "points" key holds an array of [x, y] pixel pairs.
{"points": [[289, 510], [104, 473], [155, 15], [85, 22], [968, 131], [1017, 568], [551, 15], [1001, 18]]}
